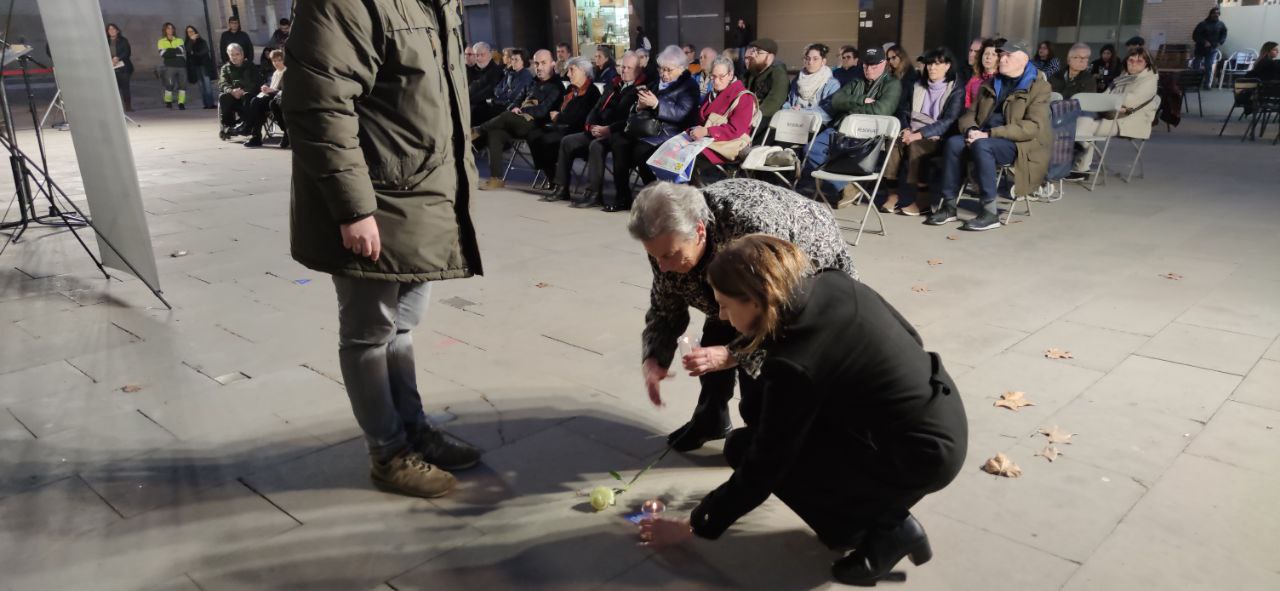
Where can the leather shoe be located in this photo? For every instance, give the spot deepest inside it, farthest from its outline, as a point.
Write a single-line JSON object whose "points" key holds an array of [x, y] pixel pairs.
{"points": [[881, 550], [561, 195], [692, 436], [612, 208]]}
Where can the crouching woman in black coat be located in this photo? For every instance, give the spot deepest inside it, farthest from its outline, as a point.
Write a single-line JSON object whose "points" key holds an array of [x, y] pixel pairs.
{"points": [[850, 422]]}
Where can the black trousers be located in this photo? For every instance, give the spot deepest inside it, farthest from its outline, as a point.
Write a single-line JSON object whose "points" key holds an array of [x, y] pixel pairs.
{"points": [[630, 154], [122, 84], [545, 147], [584, 145], [717, 387], [499, 131], [229, 107], [256, 115]]}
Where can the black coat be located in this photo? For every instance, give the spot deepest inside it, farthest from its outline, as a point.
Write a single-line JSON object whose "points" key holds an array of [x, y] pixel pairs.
{"points": [[199, 59], [847, 385], [239, 37], [677, 104], [614, 106], [573, 116], [542, 98], [483, 81], [123, 51], [606, 74], [952, 109]]}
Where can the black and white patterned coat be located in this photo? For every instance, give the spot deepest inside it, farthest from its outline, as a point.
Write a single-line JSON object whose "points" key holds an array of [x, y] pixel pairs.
{"points": [[738, 207]]}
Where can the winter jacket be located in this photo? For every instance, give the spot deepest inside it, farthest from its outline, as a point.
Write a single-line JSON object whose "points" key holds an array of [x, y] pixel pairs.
{"points": [[1085, 81], [847, 76], [512, 88], [851, 99], [1214, 33], [240, 38], [377, 105], [199, 60], [677, 106], [770, 87], [1106, 72], [541, 99], [952, 108], [606, 74], [614, 106], [122, 50], [739, 119], [246, 77], [1139, 94], [823, 108], [173, 53], [1027, 124], [481, 82], [573, 115]]}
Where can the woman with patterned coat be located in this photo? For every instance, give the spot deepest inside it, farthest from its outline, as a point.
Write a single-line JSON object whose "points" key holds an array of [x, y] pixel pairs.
{"points": [[682, 228]]}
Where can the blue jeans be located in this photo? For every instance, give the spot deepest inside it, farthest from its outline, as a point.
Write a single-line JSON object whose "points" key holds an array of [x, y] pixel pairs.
{"points": [[206, 91], [819, 152], [375, 350], [987, 156], [1206, 63]]}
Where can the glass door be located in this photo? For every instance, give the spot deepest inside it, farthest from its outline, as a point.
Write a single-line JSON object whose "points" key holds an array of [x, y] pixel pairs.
{"points": [[602, 22]]}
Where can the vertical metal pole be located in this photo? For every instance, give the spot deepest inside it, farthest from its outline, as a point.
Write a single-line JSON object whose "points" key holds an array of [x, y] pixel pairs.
{"points": [[208, 36]]}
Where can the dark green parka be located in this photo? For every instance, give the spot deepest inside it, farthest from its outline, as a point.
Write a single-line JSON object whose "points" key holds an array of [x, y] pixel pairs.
{"points": [[378, 111]]}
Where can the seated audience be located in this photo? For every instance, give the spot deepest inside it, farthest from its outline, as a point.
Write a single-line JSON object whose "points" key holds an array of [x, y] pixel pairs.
{"points": [[649, 67], [726, 116], [671, 99], [470, 56], [268, 101], [566, 117], [877, 92], [703, 77], [902, 67], [848, 70], [691, 54], [238, 83], [973, 63], [1107, 67], [1076, 77], [766, 78], [988, 64], [1007, 125], [563, 53], [606, 69], [527, 118], [1045, 61], [1138, 86], [605, 122], [483, 79], [1267, 68], [936, 104], [812, 89], [515, 82]]}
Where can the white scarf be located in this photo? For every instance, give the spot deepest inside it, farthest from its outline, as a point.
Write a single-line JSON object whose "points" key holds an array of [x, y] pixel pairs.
{"points": [[808, 85]]}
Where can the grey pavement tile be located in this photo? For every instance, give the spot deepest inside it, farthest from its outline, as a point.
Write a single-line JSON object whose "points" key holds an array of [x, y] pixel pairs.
{"points": [[11, 430], [154, 547], [178, 583], [39, 520], [41, 380], [1273, 352], [1065, 508], [1261, 387], [1205, 525], [967, 342], [1242, 435], [1091, 347], [1218, 350], [1172, 388], [53, 413], [1244, 305], [30, 306], [1050, 385], [1145, 302]]}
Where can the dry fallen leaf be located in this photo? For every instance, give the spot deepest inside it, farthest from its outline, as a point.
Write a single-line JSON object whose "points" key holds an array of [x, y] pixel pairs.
{"points": [[1001, 465], [920, 289], [131, 388], [934, 262], [1050, 452], [541, 285], [1013, 400], [952, 238], [1056, 353], [1173, 276], [1056, 434]]}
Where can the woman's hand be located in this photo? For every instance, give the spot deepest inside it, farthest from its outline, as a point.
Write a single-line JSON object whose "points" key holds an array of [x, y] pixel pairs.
{"points": [[653, 376], [705, 360], [660, 532], [647, 100], [698, 133], [554, 115]]}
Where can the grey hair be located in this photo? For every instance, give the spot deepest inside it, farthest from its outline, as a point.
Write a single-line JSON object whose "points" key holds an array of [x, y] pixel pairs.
{"points": [[1085, 46], [640, 51], [581, 63], [235, 46], [663, 208], [673, 57], [722, 61], [626, 54], [482, 46]]}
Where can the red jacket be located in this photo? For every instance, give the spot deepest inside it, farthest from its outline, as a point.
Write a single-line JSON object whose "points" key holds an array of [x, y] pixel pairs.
{"points": [[739, 123]]}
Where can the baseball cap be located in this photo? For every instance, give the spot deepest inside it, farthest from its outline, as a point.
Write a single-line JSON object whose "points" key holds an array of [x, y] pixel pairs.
{"points": [[1015, 46], [765, 44], [872, 56]]}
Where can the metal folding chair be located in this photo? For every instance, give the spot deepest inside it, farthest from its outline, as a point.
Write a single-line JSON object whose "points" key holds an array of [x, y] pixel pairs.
{"points": [[516, 147], [794, 128], [885, 127], [1189, 81], [1138, 144], [1093, 102], [1244, 90]]}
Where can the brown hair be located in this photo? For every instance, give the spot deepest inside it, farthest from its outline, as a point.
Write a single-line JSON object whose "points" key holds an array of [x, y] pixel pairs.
{"points": [[1146, 57], [275, 53], [904, 61], [762, 269]]}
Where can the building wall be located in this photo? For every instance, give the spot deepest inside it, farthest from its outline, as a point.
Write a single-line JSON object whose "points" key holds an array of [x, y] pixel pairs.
{"points": [[1172, 21], [1248, 27], [797, 23], [914, 22]]}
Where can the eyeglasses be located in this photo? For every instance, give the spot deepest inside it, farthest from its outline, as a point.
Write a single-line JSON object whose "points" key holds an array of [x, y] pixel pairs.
{"points": [[668, 70]]}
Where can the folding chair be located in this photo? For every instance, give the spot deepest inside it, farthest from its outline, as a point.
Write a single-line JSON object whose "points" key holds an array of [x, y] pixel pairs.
{"points": [[795, 128], [1138, 145], [1238, 64], [1092, 102], [1266, 107], [1189, 81], [885, 127], [516, 146], [1243, 90]]}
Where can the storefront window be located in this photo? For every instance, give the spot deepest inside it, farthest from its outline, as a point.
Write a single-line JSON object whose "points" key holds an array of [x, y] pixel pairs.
{"points": [[603, 22]]}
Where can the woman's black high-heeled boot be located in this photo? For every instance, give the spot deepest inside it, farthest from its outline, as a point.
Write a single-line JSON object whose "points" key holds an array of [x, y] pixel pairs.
{"points": [[881, 550]]}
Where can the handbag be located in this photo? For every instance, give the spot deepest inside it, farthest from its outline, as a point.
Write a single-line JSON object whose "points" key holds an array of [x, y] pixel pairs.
{"points": [[729, 148], [854, 156], [642, 124]]}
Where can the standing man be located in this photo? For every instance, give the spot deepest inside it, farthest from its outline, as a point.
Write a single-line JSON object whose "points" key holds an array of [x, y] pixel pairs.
{"points": [[1209, 36], [381, 196], [233, 34], [767, 79]]}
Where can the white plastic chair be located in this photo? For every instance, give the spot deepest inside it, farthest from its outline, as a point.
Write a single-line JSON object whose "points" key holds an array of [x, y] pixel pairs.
{"points": [[1238, 64], [885, 127], [1093, 102], [797, 128], [1138, 144]]}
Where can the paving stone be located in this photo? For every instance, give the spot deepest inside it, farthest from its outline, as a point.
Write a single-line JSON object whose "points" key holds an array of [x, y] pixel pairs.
{"points": [[1243, 436], [1205, 525], [42, 380], [1245, 305], [1091, 347], [968, 343], [1172, 388], [1261, 387], [1048, 384], [38, 520], [1205, 347]]}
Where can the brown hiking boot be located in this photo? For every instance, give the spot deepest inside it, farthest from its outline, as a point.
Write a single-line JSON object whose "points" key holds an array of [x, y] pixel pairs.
{"points": [[409, 474], [493, 185]]}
